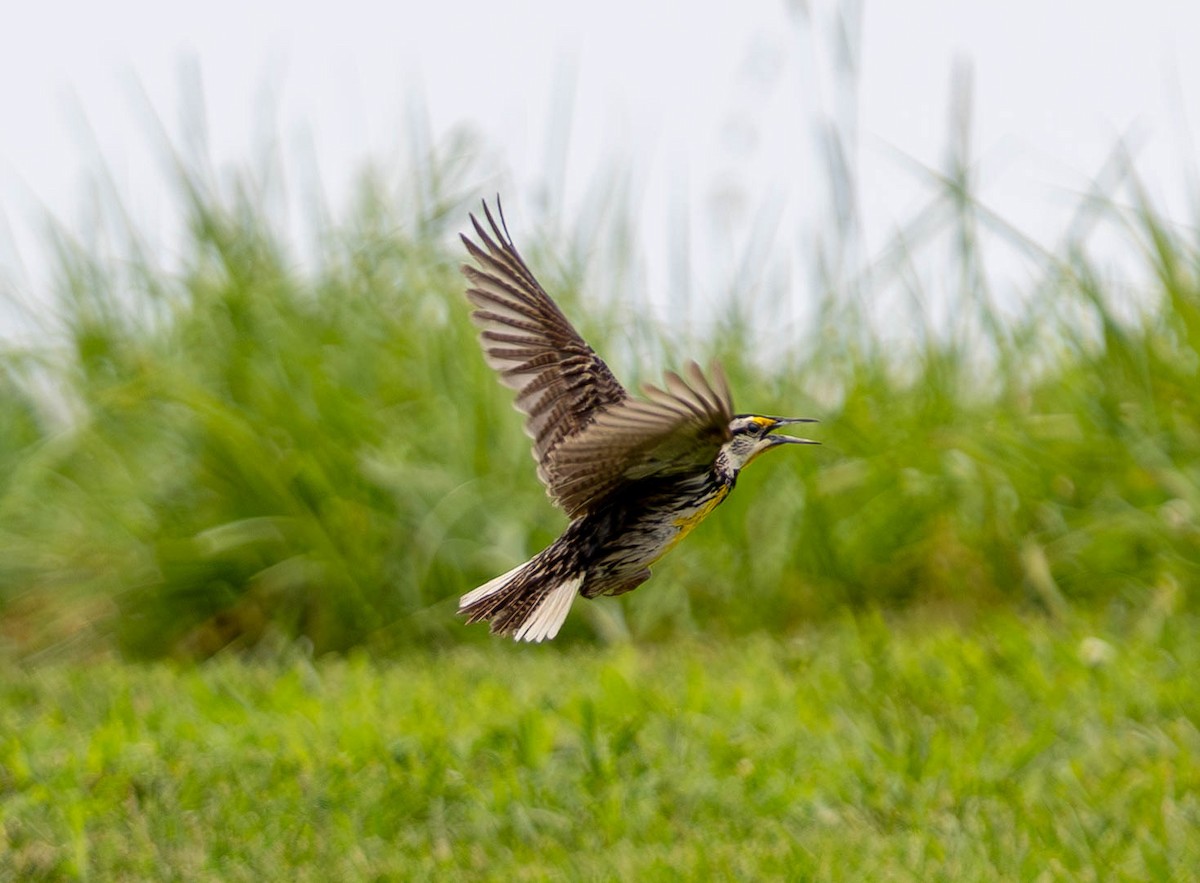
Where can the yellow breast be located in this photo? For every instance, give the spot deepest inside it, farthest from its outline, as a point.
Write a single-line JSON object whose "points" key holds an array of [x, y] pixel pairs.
{"points": [[687, 522]]}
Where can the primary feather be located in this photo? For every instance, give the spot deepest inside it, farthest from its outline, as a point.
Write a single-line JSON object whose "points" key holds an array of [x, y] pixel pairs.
{"points": [[561, 383]]}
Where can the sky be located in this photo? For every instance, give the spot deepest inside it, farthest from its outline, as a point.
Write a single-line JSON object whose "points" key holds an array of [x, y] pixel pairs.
{"points": [[710, 109]]}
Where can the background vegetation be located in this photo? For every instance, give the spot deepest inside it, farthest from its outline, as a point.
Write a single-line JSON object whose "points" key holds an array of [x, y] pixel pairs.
{"points": [[192, 456], [955, 642]]}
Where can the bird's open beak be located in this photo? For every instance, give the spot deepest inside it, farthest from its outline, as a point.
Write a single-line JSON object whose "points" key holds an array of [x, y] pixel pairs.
{"points": [[790, 439]]}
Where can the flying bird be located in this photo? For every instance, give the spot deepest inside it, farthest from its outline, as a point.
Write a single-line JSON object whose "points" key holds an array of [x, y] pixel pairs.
{"points": [[633, 474]]}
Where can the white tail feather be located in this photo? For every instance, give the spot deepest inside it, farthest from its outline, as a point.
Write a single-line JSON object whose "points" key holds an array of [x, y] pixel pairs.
{"points": [[491, 587], [547, 618]]}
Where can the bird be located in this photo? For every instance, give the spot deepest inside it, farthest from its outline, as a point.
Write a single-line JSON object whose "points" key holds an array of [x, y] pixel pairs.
{"points": [[634, 474]]}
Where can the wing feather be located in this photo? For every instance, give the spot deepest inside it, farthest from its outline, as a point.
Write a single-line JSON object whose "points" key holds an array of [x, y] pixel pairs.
{"points": [[588, 434], [672, 431], [561, 383]]}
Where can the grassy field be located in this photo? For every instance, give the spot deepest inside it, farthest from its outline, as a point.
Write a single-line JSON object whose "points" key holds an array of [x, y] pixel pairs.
{"points": [[217, 467], [1003, 749], [191, 456]]}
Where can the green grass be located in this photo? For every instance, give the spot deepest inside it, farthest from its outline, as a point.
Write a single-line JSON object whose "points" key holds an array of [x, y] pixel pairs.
{"points": [[261, 447], [253, 445], [1006, 749]]}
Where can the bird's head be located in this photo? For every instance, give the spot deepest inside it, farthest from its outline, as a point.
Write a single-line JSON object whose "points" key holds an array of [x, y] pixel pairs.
{"points": [[752, 434]]}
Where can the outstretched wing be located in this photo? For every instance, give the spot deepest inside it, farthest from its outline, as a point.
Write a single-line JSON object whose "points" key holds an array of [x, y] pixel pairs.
{"points": [[673, 431], [561, 383]]}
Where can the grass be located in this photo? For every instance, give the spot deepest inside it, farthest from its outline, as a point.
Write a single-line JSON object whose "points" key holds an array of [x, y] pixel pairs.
{"points": [[913, 750], [250, 443], [956, 642]]}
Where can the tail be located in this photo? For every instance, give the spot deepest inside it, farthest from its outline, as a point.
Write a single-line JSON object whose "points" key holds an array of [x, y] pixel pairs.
{"points": [[530, 602]]}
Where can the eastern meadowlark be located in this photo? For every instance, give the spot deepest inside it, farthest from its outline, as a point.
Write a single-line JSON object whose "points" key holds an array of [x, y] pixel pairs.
{"points": [[634, 475]]}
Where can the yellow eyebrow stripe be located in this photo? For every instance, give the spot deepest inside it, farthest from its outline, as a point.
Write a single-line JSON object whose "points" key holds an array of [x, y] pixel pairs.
{"points": [[762, 421]]}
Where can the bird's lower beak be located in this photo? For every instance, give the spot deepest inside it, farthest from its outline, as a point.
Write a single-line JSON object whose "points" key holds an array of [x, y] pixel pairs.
{"points": [[790, 439]]}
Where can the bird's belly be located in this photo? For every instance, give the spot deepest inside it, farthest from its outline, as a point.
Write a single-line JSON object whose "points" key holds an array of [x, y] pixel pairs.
{"points": [[655, 533]]}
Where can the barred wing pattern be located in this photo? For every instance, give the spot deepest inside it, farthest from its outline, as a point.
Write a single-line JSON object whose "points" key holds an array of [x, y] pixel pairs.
{"points": [[673, 431], [561, 383]]}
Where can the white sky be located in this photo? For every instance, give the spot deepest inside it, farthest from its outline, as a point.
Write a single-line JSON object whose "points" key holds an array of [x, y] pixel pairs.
{"points": [[716, 100]]}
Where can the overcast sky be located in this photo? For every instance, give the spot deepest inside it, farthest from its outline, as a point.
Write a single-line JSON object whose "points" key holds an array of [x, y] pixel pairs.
{"points": [[702, 99]]}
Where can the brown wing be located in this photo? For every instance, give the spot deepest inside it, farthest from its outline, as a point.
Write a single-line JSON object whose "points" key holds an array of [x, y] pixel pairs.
{"points": [[561, 383], [673, 431]]}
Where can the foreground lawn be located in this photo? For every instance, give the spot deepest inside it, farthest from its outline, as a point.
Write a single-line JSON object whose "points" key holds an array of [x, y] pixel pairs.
{"points": [[1010, 749]]}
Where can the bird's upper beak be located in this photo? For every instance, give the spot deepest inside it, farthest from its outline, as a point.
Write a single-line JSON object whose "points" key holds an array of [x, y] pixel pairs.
{"points": [[789, 439]]}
